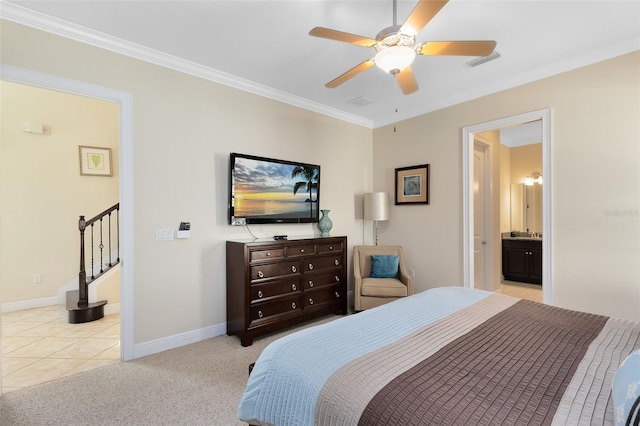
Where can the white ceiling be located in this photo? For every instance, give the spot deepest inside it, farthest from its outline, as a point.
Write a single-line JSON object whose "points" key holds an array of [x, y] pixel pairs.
{"points": [[264, 47], [523, 134]]}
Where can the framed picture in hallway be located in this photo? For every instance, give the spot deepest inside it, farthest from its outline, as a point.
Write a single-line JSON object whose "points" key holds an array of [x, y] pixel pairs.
{"points": [[95, 161], [412, 185]]}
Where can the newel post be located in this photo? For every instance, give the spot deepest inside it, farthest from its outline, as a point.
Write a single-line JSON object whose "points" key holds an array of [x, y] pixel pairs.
{"points": [[82, 276]]}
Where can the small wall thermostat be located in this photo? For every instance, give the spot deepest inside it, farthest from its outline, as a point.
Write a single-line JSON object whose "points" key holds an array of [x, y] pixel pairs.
{"points": [[184, 230]]}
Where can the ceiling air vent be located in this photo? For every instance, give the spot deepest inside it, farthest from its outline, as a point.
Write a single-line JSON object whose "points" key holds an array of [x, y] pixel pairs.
{"points": [[361, 101], [483, 59]]}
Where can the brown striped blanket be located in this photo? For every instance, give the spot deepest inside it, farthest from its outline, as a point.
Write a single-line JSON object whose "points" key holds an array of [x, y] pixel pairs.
{"points": [[496, 361]]}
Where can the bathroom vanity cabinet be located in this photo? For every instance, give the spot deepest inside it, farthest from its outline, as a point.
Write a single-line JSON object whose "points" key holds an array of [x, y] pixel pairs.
{"points": [[522, 260]]}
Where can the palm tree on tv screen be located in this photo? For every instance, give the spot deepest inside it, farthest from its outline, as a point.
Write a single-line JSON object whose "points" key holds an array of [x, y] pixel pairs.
{"points": [[309, 174]]}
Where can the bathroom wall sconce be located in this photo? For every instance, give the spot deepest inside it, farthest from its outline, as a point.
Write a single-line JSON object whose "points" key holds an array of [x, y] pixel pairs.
{"points": [[534, 178]]}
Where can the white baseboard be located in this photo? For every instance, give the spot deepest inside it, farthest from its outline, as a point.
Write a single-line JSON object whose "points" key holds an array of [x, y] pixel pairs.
{"points": [[112, 308], [29, 304], [109, 308], [178, 340]]}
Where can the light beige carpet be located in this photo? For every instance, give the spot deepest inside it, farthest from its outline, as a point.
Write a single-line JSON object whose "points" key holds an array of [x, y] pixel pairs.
{"points": [[197, 384]]}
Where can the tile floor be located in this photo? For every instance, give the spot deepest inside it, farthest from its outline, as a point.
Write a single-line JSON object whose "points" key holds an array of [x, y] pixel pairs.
{"points": [[521, 290], [39, 345]]}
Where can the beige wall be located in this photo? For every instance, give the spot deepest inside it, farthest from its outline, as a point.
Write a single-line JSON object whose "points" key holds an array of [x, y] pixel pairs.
{"points": [[183, 131], [595, 135], [525, 160], [42, 191]]}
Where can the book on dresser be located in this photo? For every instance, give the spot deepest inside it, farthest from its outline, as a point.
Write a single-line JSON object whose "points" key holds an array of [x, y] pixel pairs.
{"points": [[272, 285]]}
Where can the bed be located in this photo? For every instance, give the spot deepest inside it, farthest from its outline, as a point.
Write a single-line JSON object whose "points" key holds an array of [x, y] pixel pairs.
{"points": [[446, 356]]}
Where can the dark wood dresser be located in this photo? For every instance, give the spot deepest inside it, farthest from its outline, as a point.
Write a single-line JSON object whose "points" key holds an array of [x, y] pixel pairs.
{"points": [[272, 285]]}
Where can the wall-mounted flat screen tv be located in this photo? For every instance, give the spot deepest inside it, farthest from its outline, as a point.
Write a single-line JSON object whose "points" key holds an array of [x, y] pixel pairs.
{"points": [[267, 190]]}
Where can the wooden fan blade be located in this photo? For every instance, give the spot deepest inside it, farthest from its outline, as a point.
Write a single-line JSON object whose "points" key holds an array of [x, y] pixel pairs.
{"points": [[407, 81], [363, 66], [424, 11], [460, 48], [340, 36]]}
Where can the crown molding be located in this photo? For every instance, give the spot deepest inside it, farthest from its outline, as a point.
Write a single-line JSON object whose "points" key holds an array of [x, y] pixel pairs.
{"points": [[30, 18]]}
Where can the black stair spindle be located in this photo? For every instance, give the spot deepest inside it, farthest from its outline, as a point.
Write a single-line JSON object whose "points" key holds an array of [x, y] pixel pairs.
{"points": [[101, 247], [109, 239], [93, 275]]}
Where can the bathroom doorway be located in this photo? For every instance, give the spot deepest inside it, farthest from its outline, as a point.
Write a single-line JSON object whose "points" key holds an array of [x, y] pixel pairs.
{"points": [[520, 211], [494, 226]]}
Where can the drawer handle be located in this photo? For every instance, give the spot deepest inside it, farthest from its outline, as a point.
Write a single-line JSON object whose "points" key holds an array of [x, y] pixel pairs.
{"points": [[336, 261], [311, 301], [260, 314], [293, 305], [310, 283], [294, 287], [260, 274], [337, 295], [337, 278], [294, 269], [330, 247], [301, 250], [260, 293], [310, 266], [268, 253]]}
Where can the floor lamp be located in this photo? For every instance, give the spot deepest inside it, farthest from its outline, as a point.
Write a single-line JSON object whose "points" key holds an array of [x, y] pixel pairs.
{"points": [[376, 208]]}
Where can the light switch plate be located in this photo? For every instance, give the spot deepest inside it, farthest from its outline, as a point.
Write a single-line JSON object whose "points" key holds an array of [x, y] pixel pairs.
{"points": [[164, 234]]}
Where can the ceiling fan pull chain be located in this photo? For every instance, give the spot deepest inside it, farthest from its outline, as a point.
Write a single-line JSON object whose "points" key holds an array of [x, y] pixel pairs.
{"points": [[395, 97]]}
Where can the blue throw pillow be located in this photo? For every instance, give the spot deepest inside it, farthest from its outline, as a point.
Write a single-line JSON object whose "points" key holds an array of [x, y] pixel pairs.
{"points": [[384, 266]]}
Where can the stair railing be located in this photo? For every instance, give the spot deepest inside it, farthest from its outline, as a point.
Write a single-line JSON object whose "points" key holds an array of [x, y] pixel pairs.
{"points": [[100, 221]]}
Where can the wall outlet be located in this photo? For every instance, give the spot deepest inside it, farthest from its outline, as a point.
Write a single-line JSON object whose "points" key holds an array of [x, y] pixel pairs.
{"points": [[412, 272], [37, 278]]}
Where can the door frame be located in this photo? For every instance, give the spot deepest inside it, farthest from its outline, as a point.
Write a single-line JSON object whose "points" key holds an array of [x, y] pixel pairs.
{"points": [[125, 101], [468, 141]]}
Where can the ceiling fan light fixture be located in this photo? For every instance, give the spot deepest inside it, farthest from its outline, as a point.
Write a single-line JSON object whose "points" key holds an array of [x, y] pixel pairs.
{"points": [[394, 59]]}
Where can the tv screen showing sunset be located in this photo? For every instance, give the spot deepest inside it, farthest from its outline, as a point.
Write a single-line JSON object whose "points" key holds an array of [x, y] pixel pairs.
{"points": [[267, 189]]}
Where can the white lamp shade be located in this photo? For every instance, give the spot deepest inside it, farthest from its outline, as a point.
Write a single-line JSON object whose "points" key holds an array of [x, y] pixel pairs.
{"points": [[395, 58], [376, 206]]}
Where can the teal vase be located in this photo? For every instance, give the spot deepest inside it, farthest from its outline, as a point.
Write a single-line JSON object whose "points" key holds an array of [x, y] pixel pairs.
{"points": [[325, 224]]}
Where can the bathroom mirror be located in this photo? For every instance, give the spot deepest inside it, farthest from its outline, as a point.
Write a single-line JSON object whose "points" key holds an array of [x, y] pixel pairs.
{"points": [[526, 207]]}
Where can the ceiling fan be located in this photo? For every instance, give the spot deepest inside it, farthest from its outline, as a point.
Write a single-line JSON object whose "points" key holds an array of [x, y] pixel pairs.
{"points": [[396, 46]]}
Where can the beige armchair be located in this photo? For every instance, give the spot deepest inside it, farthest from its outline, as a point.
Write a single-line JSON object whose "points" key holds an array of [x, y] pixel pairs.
{"points": [[371, 292]]}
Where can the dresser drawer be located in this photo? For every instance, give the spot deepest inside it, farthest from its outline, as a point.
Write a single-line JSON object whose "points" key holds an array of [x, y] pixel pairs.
{"points": [[285, 305], [322, 296], [313, 281], [329, 248], [273, 270], [301, 250], [321, 262], [265, 291], [276, 253]]}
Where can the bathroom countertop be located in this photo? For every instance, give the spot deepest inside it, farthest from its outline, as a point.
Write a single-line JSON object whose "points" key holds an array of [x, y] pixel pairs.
{"points": [[523, 238]]}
